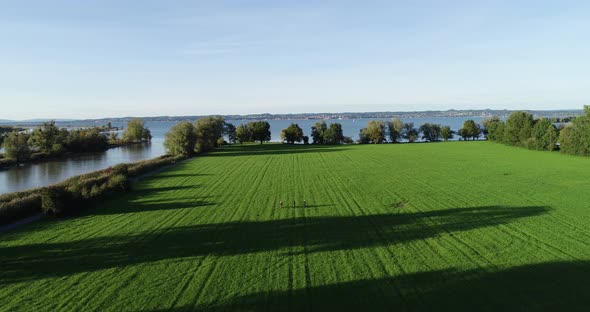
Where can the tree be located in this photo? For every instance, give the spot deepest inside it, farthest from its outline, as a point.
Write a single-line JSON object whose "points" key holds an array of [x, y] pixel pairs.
{"points": [[409, 132], [364, 136], [16, 146], [318, 131], [334, 134], [495, 131], [518, 128], [550, 137], [243, 133], [293, 133], [446, 133], [375, 131], [136, 131], [538, 134], [487, 123], [46, 136], [470, 130], [181, 139], [430, 132], [230, 131], [305, 139], [260, 131], [208, 130], [394, 129], [575, 138]]}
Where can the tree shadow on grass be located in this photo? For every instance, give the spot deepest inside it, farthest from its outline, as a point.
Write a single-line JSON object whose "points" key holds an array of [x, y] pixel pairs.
{"points": [[34, 261], [274, 149], [553, 286]]}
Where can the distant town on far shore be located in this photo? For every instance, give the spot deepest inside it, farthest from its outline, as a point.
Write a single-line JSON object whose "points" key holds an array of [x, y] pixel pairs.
{"points": [[346, 115]]}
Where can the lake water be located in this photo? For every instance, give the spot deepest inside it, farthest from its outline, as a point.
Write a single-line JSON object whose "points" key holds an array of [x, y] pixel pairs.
{"points": [[42, 174]]}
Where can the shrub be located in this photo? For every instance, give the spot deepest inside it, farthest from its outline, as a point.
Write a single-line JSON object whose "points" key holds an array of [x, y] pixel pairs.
{"points": [[19, 207], [55, 200]]}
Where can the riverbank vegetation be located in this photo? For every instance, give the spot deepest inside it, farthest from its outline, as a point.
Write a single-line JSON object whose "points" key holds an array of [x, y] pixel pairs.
{"points": [[76, 193], [49, 141], [453, 226]]}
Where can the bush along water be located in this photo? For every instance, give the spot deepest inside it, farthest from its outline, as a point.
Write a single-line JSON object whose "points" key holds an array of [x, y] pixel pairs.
{"points": [[77, 193]]}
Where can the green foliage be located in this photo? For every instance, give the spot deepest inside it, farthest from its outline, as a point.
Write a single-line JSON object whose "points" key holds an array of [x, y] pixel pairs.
{"points": [[446, 133], [208, 131], [518, 128], [321, 133], [181, 139], [305, 139], [409, 132], [293, 133], [395, 129], [85, 140], [487, 123], [16, 146], [243, 133], [230, 131], [136, 131], [318, 132], [457, 227], [495, 131], [430, 132], [470, 130], [259, 131], [46, 136], [373, 133], [19, 205]]}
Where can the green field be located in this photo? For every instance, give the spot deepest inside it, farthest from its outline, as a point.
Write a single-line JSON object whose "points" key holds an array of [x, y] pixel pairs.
{"points": [[461, 226]]}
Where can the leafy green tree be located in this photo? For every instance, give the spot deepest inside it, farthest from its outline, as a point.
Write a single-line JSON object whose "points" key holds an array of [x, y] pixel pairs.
{"points": [[430, 132], [495, 131], [538, 134], [293, 133], [46, 136], [464, 134], [395, 129], [208, 130], [318, 132], [550, 138], [181, 139], [486, 123], [470, 130], [518, 128], [364, 136], [334, 134], [16, 146], [446, 133], [305, 139], [375, 131], [243, 133], [409, 132], [136, 131], [230, 131], [260, 131], [575, 138], [86, 140]]}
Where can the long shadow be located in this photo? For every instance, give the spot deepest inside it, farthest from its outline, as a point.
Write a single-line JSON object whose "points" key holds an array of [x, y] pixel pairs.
{"points": [[34, 261], [274, 149], [553, 286]]}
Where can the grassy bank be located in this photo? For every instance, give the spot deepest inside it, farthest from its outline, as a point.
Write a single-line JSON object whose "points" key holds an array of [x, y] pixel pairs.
{"points": [[462, 225]]}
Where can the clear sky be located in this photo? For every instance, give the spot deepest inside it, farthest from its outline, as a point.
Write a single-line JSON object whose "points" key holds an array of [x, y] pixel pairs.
{"points": [[91, 59]]}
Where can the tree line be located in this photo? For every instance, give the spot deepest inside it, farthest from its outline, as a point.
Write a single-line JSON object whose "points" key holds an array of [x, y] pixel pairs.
{"points": [[50, 141], [521, 129], [187, 139]]}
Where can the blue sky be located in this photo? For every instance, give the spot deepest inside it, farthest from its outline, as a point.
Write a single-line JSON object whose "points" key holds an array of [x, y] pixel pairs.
{"points": [[91, 59]]}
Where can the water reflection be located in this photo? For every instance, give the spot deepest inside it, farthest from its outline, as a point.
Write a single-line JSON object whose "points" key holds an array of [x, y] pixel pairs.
{"points": [[41, 174]]}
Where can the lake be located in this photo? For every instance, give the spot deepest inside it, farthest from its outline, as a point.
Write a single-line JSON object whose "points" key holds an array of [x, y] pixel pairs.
{"points": [[42, 174]]}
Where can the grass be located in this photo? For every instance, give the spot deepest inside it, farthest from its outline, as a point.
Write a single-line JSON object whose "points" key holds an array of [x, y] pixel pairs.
{"points": [[445, 226]]}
